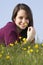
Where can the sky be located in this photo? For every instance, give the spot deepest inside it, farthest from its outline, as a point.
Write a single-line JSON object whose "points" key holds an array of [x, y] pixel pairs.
{"points": [[6, 9]]}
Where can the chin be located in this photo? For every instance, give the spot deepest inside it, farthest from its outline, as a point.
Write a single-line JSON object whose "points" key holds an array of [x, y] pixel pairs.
{"points": [[23, 28]]}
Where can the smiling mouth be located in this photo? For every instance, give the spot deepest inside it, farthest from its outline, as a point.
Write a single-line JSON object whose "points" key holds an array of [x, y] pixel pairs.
{"points": [[23, 26]]}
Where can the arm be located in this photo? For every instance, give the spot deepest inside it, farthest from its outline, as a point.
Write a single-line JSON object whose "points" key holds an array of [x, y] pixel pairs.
{"points": [[10, 38], [9, 33]]}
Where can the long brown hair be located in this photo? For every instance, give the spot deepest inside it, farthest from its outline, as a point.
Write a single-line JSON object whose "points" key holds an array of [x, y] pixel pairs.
{"points": [[29, 13]]}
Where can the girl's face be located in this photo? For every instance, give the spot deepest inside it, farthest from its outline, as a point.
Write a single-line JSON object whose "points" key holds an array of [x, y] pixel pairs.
{"points": [[21, 20]]}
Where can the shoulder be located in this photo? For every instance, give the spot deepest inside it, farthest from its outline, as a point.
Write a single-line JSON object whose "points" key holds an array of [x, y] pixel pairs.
{"points": [[10, 26]]}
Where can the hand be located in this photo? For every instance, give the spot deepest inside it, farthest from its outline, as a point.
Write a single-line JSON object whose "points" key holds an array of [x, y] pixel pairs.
{"points": [[30, 33]]}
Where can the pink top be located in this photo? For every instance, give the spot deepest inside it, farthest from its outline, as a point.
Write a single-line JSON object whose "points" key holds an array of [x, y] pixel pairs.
{"points": [[8, 33]]}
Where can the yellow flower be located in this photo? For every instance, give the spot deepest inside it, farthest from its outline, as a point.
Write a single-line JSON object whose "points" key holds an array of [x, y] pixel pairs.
{"points": [[28, 47], [20, 37], [25, 24], [42, 44], [24, 48], [0, 55], [16, 42], [11, 44], [7, 57], [36, 46], [28, 51], [37, 50], [31, 50], [2, 51], [24, 40], [1, 45]]}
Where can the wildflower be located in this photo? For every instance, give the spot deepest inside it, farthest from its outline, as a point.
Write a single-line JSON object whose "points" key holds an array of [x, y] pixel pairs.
{"points": [[24, 48], [25, 24], [0, 55], [7, 57], [28, 52], [11, 44], [1, 45], [20, 37], [2, 51], [36, 46], [31, 50], [28, 47], [37, 50], [16, 42], [24, 40], [42, 44]]}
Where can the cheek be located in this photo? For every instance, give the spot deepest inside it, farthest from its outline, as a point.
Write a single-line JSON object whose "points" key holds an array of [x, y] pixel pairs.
{"points": [[18, 22], [28, 21]]}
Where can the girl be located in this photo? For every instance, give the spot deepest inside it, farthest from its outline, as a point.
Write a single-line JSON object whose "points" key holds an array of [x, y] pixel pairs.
{"points": [[21, 25]]}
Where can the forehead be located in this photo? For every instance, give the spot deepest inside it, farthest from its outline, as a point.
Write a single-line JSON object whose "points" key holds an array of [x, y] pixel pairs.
{"points": [[22, 13]]}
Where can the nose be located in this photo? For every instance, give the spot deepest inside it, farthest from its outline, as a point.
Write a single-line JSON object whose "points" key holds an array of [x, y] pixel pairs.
{"points": [[23, 21]]}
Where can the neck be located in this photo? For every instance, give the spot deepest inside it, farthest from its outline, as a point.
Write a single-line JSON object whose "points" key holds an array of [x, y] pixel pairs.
{"points": [[18, 30]]}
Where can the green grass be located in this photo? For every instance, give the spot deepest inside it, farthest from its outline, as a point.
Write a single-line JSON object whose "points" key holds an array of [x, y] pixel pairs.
{"points": [[18, 54]]}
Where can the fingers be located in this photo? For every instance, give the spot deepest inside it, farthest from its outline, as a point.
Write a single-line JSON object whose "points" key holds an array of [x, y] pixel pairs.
{"points": [[31, 29], [31, 33]]}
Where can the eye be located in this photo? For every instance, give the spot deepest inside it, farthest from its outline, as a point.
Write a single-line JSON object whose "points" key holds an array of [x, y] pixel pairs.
{"points": [[27, 18], [21, 17]]}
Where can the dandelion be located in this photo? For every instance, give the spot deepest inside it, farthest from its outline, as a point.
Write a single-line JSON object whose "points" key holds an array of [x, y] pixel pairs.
{"points": [[37, 50], [11, 44], [2, 51], [42, 44], [1, 45], [24, 48], [28, 51], [8, 57], [28, 47], [25, 24], [31, 50], [0, 55], [16, 42], [24, 40], [20, 37], [36, 46]]}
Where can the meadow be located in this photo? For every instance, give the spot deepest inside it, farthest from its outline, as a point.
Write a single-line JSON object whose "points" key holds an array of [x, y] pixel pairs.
{"points": [[23, 53]]}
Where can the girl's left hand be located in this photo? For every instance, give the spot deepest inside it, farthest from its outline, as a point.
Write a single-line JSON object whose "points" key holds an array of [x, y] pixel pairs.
{"points": [[30, 33]]}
